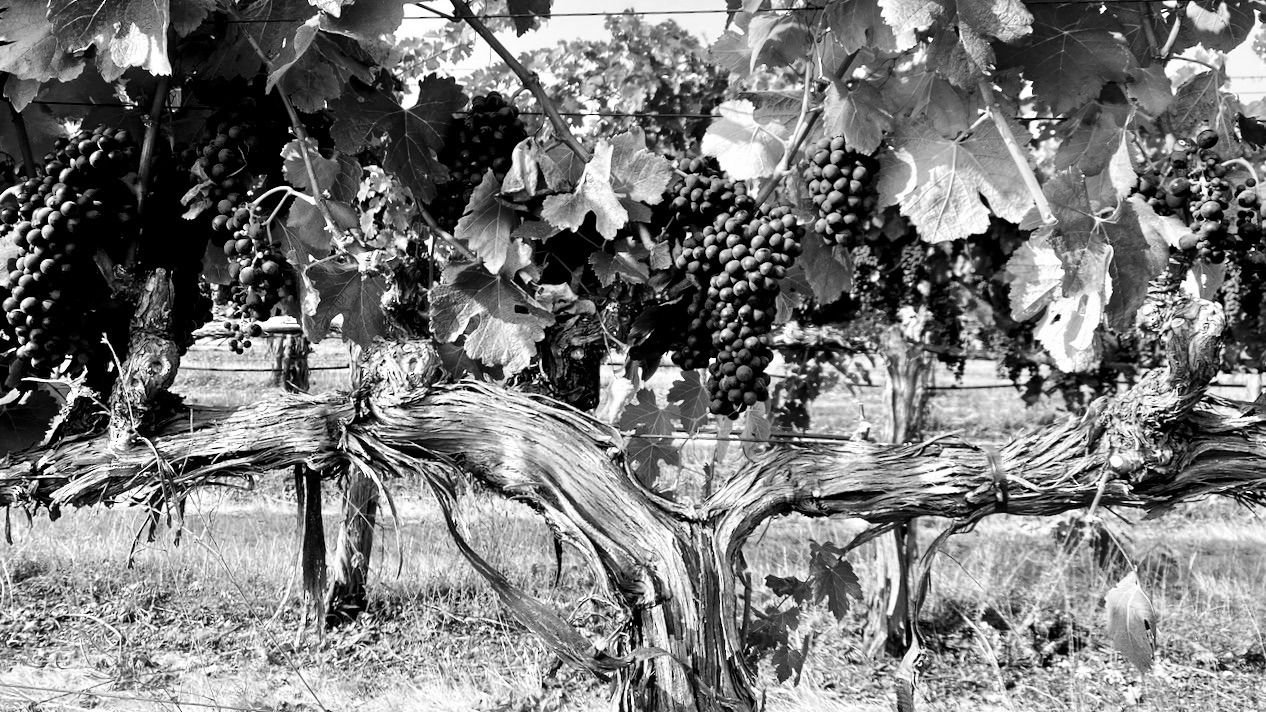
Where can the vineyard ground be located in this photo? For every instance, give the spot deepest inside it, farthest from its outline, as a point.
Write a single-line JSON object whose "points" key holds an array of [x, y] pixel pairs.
{"points": [[192, 626]]}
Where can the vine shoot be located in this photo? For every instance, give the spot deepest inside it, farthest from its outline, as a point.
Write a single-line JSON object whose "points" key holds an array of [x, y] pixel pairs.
{"points": [[1066, 188]]}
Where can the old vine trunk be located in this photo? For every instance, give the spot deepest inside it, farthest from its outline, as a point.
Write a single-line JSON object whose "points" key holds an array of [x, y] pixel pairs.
{"points": [[671, 564]]}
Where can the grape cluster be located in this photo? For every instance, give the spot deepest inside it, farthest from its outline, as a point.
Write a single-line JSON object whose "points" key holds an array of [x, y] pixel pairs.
{"points": [[55, 303], [263, 281], [754, 252], [705, 193], [842, 183], [1195, 188], [482, 139], [233, 156]]}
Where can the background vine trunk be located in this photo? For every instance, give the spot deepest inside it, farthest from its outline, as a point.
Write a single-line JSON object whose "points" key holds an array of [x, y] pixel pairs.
{"points": [[908, 371]]}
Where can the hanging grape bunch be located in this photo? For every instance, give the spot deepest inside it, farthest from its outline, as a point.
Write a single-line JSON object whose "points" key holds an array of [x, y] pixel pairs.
{"points": [[704, 193], [842, 184], [263, 281], [235, 155], [483, 138], [55, 302], [1194, 187], [755, 252]]}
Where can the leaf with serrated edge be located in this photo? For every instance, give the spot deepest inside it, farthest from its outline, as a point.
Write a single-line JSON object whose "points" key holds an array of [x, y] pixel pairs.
{"points": [[594, 194], [1036, 275], [527, 14], [414, 135], [371, 23], [799, 591], [510, 323], [1218, 25], [855, 110], [858, 24], [777, 40], [832, 578], [129, 33], [939, 183], [636, 172], [187, 15], [1075, 50], [731, 52], [744, 148], [1068, 328], [28, 47], [1132, 622], [487, 225], [828, 271], [690, 394], [788, 661], [646, 417], [343, 290], [624, 265]]}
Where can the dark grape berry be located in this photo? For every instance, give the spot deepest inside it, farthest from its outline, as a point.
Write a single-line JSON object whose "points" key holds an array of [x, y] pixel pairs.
{"points": [[1207, 139]]}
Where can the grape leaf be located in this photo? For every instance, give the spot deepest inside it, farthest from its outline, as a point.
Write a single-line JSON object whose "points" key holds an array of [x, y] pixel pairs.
{"points": [[1069, 327], [1201, 103], [1218, 25], [414, 135], [1132, 622], [1036, 275], [939, 183], [332, 7], [526, 178], [303, 235], [593, 194], [731, 52], [337, 178], [756, 430], [794, 289], [527, 13], [690, 394], [487, 225], [1139, 255], [534, 231], [343, 290], [129, 33], [562, 167], [1075, 50], [315, 70], [372, 24], [799, 591], [855, 110], [509, 322], [745, 148], [28, 47], [828, 269], [646, 417], [788, 662], [42, 127], [777, 40], [636, 172], [187, 15], [1095, 137], [772, 627], [1151, 89], [622, 264], [269, 24], [20, 92], [832, 578], [858, 24], [27, 422]]}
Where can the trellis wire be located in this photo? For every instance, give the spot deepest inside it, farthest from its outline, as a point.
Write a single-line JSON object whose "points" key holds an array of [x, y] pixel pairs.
{"points": [[580, 114]]}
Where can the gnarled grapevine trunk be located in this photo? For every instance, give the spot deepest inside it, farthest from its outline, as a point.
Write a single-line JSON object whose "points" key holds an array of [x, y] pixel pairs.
{"points": [[150, 366], [670, 564]]}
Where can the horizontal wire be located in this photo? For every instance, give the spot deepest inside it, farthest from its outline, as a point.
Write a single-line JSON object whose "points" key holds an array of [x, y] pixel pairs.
{"points": [[220, 369], [607, 114], [445, 17]]}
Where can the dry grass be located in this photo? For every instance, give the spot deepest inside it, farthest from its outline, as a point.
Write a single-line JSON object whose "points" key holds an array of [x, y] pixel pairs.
{"points": [[1015, 621]]}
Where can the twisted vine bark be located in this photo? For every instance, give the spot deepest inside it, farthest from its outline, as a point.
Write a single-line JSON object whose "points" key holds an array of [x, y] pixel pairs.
{"points": [[151, 363], [671, 565]]}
